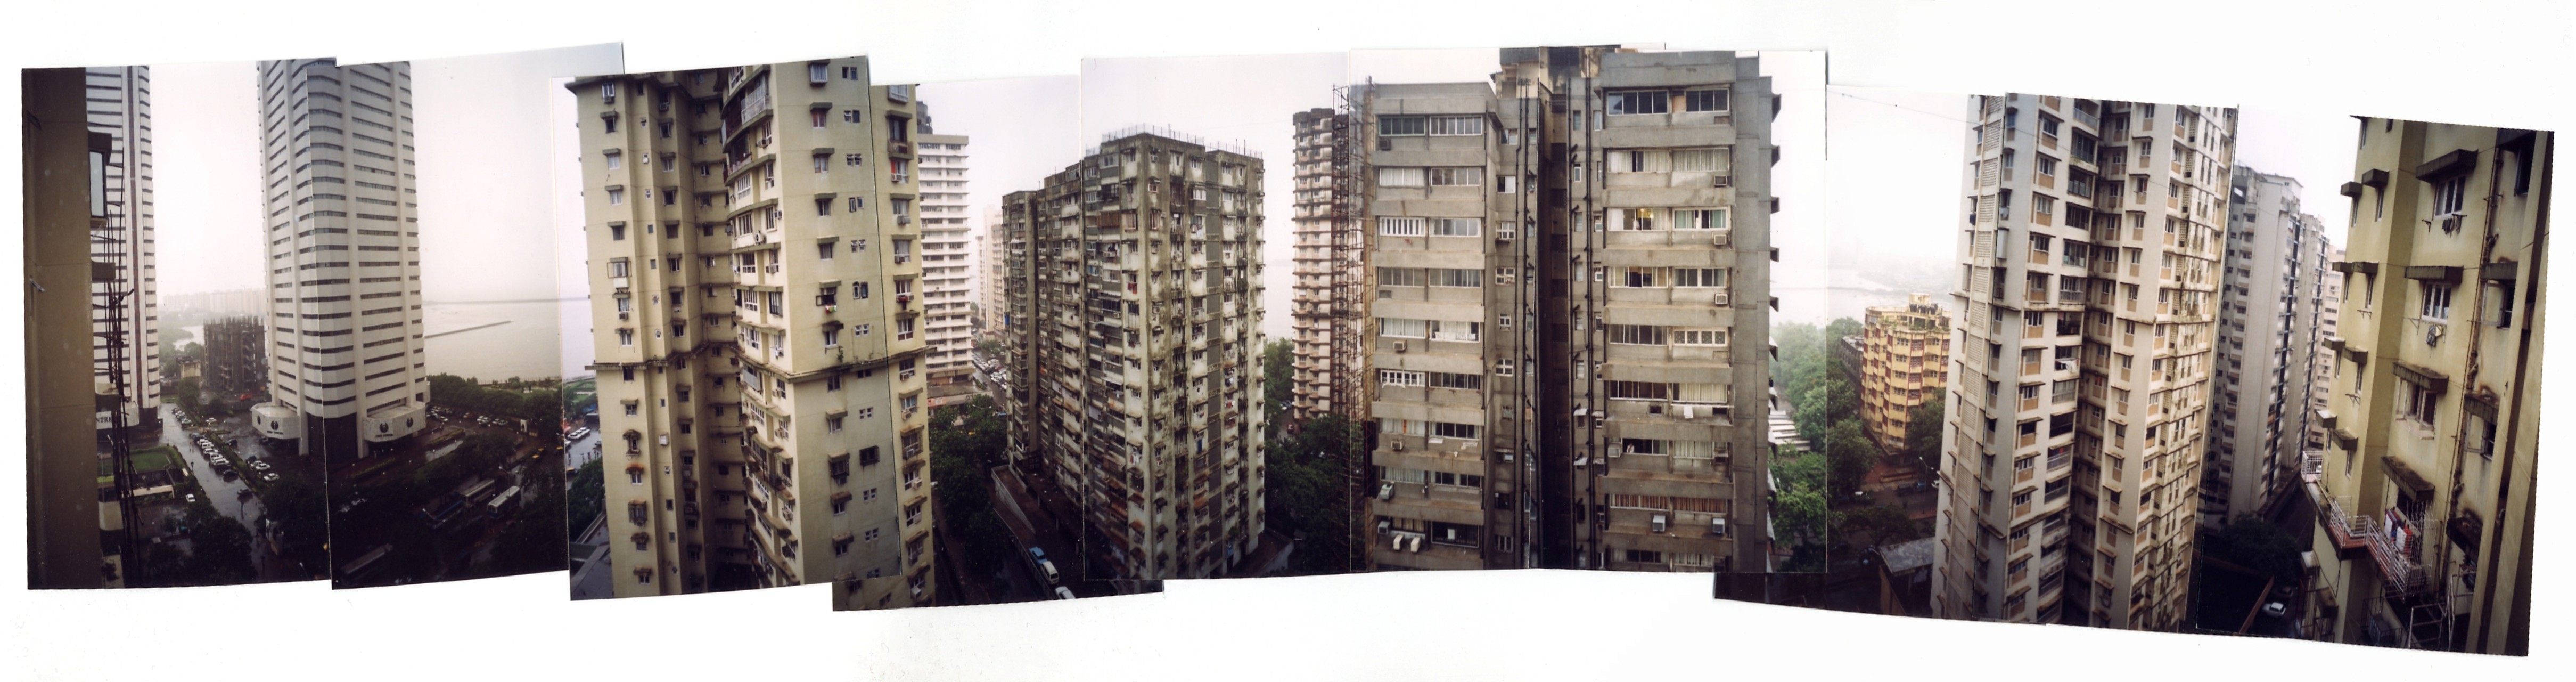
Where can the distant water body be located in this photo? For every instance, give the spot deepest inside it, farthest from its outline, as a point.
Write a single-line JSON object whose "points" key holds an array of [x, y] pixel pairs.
{"points": [[496, 340]]}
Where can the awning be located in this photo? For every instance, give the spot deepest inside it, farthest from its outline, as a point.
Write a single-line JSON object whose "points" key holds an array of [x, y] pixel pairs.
{"points": [[2405, 475], [2432, 380], [2466, 529], [2446, 166]]}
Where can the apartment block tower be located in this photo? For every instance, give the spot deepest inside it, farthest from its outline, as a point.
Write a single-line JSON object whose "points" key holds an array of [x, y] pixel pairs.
{"points": [[1134, 333], [2089, 252], [1568, 267], [1324, 351], [2424, 491], [947, 268], [347, 370], [2329, 326], [752, 235], [125, 304], [2267, 335], [1905, 362]]}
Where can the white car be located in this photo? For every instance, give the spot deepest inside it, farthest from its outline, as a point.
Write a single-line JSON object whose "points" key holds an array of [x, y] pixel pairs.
{"points": [[256, 464], [268, 477], [192, 498], [1062, 593]]}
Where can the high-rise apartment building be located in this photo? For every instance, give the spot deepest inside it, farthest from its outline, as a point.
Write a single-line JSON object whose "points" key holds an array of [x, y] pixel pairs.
{"points": [[2329, 326], [752, 235], [947, 268], [1134, 374], [2267, 326], [1568, 298], [347, 370], [2424, 491], [1905, 362], [119, 104], [1323, 352], [2089, 255]]}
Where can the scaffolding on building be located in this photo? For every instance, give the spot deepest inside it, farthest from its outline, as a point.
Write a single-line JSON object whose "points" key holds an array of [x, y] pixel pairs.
{"points": [[1351, 281]]}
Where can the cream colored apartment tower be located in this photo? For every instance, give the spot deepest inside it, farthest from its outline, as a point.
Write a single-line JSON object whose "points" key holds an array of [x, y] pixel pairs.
{"points": [[947, 268], [1318, 323], [2089, 252], [2424, 491], [2329, 322], [752, 235], [348, 368], [1135, 366], [1905, 362]]}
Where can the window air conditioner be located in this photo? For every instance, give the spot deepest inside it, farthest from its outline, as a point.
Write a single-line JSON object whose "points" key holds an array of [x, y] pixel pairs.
{"points": [[1722, 181], [1721, 299], [1397, 446], [1398, 544], [1399, 346], [1717, 527], [1416, 545], [1659, 523], [1386, 491], [1385, 145]]}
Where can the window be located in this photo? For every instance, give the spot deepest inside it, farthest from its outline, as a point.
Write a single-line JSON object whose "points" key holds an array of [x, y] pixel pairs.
{"points": [[1457, 125], [616, 160], [1401, 328], [2047, 166], [1390, 126], [817, 73], [1393, 377], [2419, 402], [617, 233], [1455, 177], [1399, 177], [1699, 277], [1470, 382], [1640, 102], [2449, 196], [1457, 227], [1400, 227], [1400, 277], [1704, 100], [1637, 334], [2437, 301], [1699, 219], [1455, 277], [1712, 159], [1699, 337], [616, 197], [1458, 431]]}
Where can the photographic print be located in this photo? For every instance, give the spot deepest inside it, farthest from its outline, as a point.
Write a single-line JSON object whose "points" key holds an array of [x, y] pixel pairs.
{"points": [[2135, 388]]}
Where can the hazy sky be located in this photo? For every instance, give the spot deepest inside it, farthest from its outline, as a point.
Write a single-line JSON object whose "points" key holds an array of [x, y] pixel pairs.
{"points": [[206, 176], [1897, 157], [1236, 101], [485, 196]]}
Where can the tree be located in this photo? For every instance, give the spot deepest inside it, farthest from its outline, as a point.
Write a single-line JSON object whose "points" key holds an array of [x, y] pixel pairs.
{"points": [[2251, 542], [1850, 454], [1276, 383], [1307, 494], [1874, 525], [1923, 430], [584, 496], [301, 515]]}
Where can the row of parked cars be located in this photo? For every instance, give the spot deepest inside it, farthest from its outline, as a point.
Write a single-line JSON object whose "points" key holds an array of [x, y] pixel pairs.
{"points": [[224, 465]]}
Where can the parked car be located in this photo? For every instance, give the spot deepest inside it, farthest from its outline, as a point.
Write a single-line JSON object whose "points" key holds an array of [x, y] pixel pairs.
{"points": [[1061, 593], [268, 477]]}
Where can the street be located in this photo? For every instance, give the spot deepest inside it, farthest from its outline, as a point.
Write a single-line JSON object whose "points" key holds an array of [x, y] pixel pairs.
{"points": [[231, 497]]}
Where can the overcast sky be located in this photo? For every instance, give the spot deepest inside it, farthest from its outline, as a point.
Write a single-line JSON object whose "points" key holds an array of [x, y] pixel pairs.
{"points": [[485, 191], [1897, 156]]}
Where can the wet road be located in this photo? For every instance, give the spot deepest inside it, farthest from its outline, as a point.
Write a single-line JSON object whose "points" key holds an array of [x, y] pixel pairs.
{"points": [[225, 495], [581, 451]]}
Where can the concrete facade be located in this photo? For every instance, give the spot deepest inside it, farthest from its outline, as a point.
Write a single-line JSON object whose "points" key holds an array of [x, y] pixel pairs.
{"points": [[752, 234], [347, 366], [2424, 490], [2267, 337], [1134, 377], [63, 170], [2089, 251], [1558, 353]]}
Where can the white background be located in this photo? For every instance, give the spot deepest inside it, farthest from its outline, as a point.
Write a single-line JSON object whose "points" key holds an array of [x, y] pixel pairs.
{"points": [[2501, 63]]}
